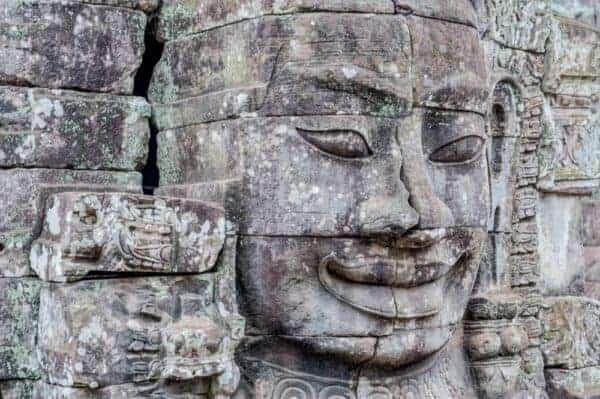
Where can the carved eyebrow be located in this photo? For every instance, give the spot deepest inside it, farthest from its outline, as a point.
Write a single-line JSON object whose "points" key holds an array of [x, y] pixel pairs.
{"points": [[354, 79], [374, 87]]}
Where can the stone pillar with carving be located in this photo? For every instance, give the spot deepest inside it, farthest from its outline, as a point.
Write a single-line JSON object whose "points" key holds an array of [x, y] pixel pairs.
{"points": [[69, 121], [549, 48], [133, 306]]}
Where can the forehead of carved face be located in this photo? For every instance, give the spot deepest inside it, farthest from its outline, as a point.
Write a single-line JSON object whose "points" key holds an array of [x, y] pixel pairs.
{"points": [[349, 150], [352, 124]]}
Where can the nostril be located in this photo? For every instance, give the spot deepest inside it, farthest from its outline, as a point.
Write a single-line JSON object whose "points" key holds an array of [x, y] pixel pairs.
{"points": [[386, 215]]}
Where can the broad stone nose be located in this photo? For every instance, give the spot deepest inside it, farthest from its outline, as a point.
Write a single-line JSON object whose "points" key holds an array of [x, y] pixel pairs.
{"points": [[433, 212], [387, 215]]}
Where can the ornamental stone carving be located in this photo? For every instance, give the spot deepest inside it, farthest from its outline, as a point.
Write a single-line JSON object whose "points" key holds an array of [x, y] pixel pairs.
{"points": [[299, 199]]}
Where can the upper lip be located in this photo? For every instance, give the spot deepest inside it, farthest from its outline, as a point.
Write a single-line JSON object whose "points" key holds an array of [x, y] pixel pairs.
{"points": [[413, 261]]}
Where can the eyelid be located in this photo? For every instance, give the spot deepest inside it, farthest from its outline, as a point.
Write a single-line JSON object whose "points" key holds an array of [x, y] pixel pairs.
{"points": [[460, 151], [343, 143]]}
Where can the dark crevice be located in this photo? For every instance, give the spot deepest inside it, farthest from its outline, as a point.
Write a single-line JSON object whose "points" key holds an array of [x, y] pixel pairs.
{"points": [[154, 50]]}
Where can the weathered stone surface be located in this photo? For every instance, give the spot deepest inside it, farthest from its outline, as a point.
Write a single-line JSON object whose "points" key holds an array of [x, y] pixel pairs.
{"points": [[182, 18], [366, 67], [19, 306], [347, 194], [447, 68], [316, 176], [570, 326], [92, 233], [64, 129], [196, 389], [144, 5], [460, 11], [560, 245], [570, 162], [573, 384], [591, 220], [149, 329], [70, 45], [17, 389], [519, 24], [316, 275], [24, 191], [359, 160], [572, 61], [586, 11], [495, 269]]}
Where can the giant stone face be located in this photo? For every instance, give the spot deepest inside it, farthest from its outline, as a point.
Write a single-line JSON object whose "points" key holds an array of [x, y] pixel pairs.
{"points": [[350, 152]]}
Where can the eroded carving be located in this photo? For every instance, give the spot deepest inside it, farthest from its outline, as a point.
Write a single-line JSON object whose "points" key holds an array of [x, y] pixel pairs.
{"points": [[110, 233], [157, 328], [392, 189]]}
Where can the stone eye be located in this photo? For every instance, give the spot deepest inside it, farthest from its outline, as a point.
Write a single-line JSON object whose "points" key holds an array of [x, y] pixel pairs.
{"points": [[342, 143], [462, 150]]}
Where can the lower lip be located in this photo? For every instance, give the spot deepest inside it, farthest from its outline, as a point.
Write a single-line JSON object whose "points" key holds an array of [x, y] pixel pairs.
{"points": [[385, 301]]}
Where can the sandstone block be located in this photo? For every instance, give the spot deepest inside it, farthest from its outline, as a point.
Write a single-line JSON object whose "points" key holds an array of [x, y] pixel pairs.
{"points": [[17, 389], [460, 11], [70, 45], [182, 18], [23, 200], [19, 307], [368, 65], [92, 233], [197, 389], [573, 384], [64, 129], [570, 338], [149, 329]]}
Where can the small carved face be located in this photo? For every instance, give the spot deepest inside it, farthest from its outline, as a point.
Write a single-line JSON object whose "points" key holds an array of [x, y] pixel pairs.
{"points": [[358, 182]]}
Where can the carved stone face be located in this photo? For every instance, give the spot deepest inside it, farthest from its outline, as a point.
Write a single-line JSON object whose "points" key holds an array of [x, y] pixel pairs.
{"points": [[356, 174]]}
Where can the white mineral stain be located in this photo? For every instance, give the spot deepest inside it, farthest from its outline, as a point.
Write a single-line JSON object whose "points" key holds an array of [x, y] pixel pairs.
{"points": [[349, 72], [53, 218]]}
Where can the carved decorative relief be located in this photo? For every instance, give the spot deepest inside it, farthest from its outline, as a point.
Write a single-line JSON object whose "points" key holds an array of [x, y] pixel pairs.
{"points": [[110, 233], [358, 199]]}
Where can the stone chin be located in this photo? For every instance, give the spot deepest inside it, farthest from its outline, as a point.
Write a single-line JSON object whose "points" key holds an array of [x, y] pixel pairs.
{"points": [[400, 349], [424, 311]]}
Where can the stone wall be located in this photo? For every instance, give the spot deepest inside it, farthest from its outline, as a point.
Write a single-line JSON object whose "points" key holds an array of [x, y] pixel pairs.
{"points": [[358, 199]]}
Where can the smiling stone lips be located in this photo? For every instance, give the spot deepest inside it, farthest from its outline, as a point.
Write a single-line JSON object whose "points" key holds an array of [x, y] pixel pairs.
{"points": [[421, 259]]}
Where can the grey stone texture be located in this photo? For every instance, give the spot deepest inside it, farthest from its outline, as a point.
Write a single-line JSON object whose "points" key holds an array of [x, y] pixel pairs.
{"points": [[357, 199], [87, 233], [25, 192], [66, 129], [70, 45]]}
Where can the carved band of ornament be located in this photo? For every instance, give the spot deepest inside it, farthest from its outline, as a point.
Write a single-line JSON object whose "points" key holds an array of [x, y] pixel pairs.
{"points": [[296, 388], [493, 308], [471, 326], [505, 361]]}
